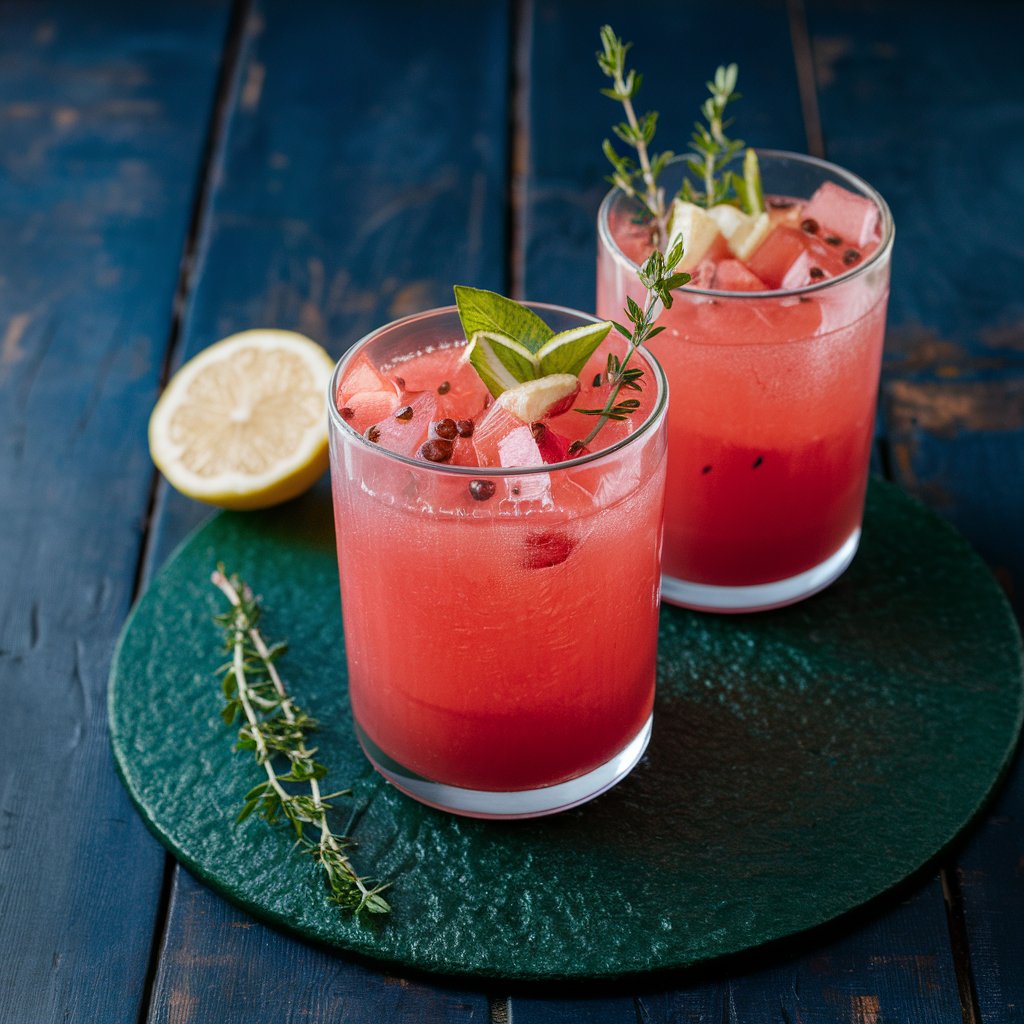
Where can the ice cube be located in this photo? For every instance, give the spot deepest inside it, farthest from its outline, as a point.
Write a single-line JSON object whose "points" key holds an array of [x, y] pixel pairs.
{"points": [[840, 212]]}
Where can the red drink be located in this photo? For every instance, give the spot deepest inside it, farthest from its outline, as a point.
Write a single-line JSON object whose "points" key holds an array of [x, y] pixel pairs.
{"points": [[773, 364], [500, 622]]}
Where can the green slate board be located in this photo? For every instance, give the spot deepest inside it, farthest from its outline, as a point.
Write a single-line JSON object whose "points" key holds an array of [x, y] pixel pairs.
{"points": [[803, 762]]}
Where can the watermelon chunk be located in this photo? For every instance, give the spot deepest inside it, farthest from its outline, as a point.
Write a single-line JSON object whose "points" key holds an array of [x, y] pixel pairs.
{"points": [[733, 276], [792, 258], [853, 218]]}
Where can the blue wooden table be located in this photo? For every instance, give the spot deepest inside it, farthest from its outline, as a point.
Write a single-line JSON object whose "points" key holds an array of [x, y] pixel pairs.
{"points": [[170, 173]]}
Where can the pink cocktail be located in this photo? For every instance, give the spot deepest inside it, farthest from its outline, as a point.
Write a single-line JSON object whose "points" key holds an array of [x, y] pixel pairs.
{"points": [[500, 622], [773, 363]]}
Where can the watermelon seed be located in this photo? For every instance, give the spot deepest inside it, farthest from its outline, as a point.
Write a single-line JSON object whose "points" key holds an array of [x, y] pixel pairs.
{"points": [[404, 414], [810, 225]]}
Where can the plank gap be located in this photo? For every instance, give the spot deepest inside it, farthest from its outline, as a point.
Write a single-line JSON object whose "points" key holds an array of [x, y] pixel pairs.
{"points": [[958, 940], [884, 455], [156, 948], [518, 149], [803, 55]]}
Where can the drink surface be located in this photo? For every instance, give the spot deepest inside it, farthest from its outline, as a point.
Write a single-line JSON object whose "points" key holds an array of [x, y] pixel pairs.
{"points": [[773, 398], [500, 629]]}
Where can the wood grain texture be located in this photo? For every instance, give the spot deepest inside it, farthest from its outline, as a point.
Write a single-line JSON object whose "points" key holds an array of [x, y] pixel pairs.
{"points": [[103, 112], [360, 175], [221, 965], [945, 149]]}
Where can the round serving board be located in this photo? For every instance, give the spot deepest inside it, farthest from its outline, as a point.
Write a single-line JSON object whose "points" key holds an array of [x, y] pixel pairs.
{"points": [[803, 761]]}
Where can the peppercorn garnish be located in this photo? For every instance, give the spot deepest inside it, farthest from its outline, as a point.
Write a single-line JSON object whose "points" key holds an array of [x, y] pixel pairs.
{"points": [[833, 240], [446, 428], [404, 414], [810, 225], [464, 428], [481, 490], [816, 273], [444, 387], [850, 257], [346, 413], [372, 434], [437, 450]]}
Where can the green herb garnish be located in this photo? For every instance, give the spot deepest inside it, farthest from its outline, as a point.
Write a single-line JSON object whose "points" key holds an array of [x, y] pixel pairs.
{"points": [[637, 178], [276, 729], [713, 150], [659, 278], [711, 154]]}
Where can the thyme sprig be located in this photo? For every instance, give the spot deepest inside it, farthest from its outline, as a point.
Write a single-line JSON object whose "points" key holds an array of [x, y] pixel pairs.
{"points": [[658, 277], [276, 729], [637, 178], [713, 150]]}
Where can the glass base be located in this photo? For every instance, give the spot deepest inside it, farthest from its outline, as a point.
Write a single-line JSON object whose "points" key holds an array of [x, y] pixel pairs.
{"points": [[761, 597], [528, 803]]}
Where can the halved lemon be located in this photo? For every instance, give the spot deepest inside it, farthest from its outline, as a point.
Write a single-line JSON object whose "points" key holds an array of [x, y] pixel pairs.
{"points": [[244, 423]]}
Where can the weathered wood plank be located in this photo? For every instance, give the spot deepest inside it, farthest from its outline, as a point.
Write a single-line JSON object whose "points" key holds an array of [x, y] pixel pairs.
{"points": [[103, 114], [362, 173], [229, 968], [943, 149]]}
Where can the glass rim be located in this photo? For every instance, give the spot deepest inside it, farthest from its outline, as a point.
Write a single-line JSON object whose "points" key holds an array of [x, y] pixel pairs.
{"points": [[607, 240], [657, 414]]}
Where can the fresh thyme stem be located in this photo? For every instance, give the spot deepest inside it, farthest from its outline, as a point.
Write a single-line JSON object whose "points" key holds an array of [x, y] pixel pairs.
{"points": [[252, 681], [659, 278], [637, 132]]}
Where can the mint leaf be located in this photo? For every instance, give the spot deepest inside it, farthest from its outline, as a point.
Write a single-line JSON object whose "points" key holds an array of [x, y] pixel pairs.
{"points": [[568, 351], [489, 312]]}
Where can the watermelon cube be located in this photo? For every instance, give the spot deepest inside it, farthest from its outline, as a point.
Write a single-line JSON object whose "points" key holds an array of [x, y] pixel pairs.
{"points": [[792, 258], [733, 276]]}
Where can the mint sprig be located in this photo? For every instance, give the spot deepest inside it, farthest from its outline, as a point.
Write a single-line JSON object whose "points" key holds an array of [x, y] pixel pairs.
{"points": [[509, 344]]}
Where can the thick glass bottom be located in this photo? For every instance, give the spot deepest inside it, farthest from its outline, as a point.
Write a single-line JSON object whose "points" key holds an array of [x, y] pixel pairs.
{"points": [[762, 596], [528, 803]]}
